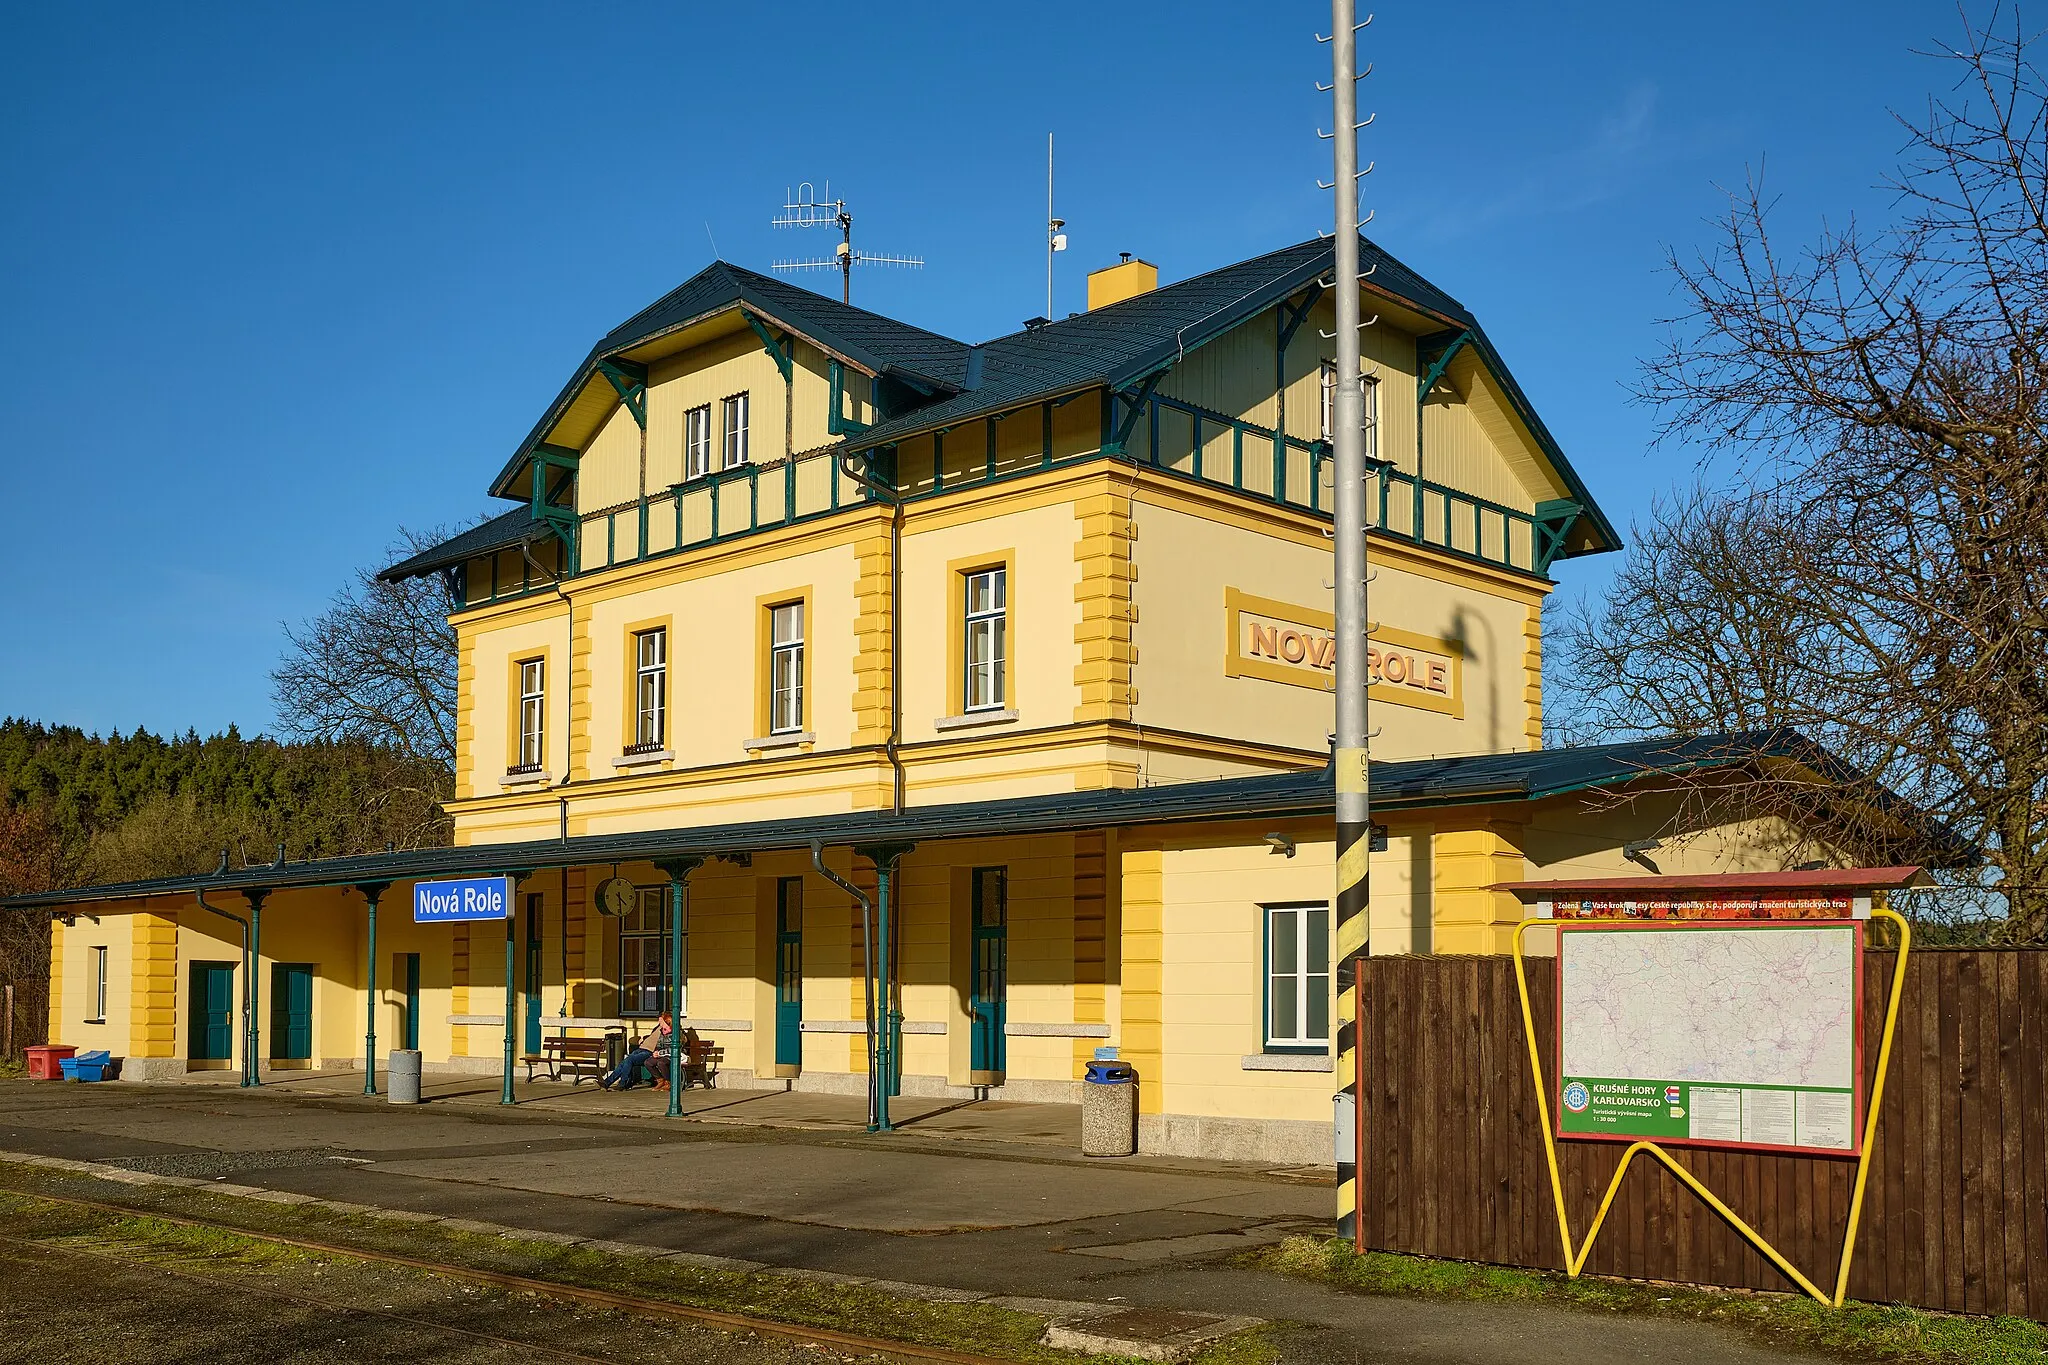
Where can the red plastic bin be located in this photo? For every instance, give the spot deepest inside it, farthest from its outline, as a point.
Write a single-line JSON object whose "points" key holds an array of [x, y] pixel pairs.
{"points": [[45, 1061]]}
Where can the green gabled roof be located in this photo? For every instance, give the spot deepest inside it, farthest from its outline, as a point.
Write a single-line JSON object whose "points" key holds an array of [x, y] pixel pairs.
{"points": [[1123, 342], [516, 527], [871, 342]]}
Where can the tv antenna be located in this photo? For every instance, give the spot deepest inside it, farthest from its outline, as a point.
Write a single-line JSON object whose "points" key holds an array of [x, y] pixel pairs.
{"points": [[1055, 240], [805, 209]]}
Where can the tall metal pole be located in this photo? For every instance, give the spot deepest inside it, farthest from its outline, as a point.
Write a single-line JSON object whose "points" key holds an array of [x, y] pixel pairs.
{"points": [[511, 986], [372, 892], [253, 1049], [1051, 227], [1354, 809]]}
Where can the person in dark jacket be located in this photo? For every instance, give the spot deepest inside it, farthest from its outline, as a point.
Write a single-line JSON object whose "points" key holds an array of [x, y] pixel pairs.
{"points": [[651, 1043]]}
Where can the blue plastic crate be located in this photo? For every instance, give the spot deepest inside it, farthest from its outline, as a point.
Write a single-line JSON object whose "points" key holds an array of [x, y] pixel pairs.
{"points": [[70, 1067]]}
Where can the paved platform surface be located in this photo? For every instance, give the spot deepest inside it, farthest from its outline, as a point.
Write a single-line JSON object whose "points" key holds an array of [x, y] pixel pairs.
{"points": [[975, 1197]]}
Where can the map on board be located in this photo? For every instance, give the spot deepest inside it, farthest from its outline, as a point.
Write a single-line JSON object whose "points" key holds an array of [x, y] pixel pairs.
{"points": [[1738, 1034]]}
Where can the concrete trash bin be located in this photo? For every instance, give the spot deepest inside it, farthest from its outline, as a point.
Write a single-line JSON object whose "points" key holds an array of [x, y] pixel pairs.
{"points": [[1109, 1109], [402, 1080]]}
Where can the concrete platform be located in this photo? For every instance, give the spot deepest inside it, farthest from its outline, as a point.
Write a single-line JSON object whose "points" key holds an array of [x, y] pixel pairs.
{"points": [[984, 1199]]}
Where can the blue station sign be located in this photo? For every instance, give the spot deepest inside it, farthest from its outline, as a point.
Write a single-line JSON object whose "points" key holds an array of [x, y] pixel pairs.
{"points": [[460, 899]]}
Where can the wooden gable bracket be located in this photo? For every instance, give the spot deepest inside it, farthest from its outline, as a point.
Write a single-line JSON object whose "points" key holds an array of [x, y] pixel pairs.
{"points": [[629, 381], [779, 347], [1116, 429], [1554, 521]]}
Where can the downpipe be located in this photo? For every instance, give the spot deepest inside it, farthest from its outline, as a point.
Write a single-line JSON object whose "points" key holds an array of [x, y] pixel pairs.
{"points": [[248, 979], [867, 977]]}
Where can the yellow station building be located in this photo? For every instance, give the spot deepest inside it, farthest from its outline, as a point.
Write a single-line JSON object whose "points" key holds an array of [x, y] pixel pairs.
{"points": [[1037, 629]]}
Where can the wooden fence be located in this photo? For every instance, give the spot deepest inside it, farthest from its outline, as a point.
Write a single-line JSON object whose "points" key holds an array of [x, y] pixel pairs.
{"points": [[1956, 1209]]}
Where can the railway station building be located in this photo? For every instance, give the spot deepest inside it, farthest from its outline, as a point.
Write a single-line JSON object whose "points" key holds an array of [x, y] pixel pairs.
{"points": [[1031, 639]]}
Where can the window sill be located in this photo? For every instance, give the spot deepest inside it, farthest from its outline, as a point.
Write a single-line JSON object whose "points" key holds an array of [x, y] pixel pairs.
{"points": [[973, 719], [1290, 1061], [92, 1021], [526, 780], [788, 741], [647, 759]]}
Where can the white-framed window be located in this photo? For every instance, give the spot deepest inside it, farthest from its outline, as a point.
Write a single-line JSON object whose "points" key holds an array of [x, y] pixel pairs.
{"points": [[99, 986], [643, 955], [1297, 978], [986, 640], [650, 688], [697, 442], [733, 424], [533, 709], [1329, 391], [786, 668]]}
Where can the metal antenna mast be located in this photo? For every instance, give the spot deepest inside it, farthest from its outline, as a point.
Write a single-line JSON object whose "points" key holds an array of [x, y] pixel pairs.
{"points": [[1354, 803], [802, 208], [1055, 240]]}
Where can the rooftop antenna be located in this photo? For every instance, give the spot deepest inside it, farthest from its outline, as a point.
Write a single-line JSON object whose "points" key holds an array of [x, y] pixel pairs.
{"points": [[803, 208], [1055, 240]]}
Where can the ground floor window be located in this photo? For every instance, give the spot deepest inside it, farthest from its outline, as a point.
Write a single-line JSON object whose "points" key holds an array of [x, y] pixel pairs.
{"points": [[1297, 978], [99, 986], [643, 955]]}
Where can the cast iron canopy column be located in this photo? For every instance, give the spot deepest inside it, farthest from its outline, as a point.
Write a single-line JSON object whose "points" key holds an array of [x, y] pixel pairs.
{"points": [[678, 871], [372, 893], [889, 1046]]}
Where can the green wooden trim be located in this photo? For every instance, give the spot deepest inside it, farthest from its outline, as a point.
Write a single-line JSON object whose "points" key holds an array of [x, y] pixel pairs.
{"points": [[775, 347], [629, 380]]}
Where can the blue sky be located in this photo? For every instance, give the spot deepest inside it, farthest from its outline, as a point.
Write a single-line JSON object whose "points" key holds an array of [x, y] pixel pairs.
{"points": [[277, 280]]}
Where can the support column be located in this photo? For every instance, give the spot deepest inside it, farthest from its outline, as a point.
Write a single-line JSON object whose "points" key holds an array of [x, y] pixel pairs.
{"points": [[678, 871], [888, 995], [372, 893], [252, 1049]]}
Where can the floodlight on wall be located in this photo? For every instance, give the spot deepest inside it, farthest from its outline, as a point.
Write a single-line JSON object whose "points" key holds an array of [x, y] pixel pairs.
{"points": [[1280, 844], [1638, 852]]}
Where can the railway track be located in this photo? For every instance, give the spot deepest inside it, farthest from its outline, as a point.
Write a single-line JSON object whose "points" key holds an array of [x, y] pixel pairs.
{"points": [[660, 1309]]}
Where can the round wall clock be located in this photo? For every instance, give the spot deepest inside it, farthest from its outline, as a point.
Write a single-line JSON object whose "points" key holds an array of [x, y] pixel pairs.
{"points": [[616, 897]]}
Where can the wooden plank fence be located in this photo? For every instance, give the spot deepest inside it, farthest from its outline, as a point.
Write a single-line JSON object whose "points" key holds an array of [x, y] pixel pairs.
{"points": [[1955, 1212]]}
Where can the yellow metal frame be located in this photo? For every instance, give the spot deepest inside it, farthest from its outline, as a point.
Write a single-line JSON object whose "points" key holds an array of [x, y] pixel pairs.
{"points": [[1576, 1261]]}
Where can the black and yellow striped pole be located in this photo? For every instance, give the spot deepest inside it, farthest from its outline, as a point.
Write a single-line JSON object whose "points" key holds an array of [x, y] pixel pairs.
{"points": [[1353, 797]]}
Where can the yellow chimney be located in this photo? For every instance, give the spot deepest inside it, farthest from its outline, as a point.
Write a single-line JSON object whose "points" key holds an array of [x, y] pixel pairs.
{"points": [[1126, 279]]}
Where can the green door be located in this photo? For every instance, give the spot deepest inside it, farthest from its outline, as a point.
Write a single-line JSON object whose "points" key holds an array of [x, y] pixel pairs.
{"points": [[533, 913], [212, 1035], [409, 1012], [989, 1002], [789, 972], [291, 1012]]}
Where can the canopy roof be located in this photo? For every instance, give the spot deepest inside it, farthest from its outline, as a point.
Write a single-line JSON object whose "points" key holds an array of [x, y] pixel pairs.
{"points": [[1406, 785]]}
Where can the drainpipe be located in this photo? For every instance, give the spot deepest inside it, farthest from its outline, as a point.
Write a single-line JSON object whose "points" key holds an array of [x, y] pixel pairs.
{"points": [[248, 979], [889, 495], [877, 1109]]}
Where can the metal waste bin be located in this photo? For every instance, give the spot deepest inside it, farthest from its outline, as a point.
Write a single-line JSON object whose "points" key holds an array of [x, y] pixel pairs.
{"points": [[1109, 1108], [402, 1080]]}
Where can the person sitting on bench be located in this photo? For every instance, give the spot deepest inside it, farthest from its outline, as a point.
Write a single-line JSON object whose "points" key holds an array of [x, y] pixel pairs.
{"points": [[654, 1040]]}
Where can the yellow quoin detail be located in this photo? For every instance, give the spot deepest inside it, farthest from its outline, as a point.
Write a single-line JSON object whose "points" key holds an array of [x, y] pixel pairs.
{"points": [[874, 620], [57, 965], [1103, 551], [1532, 674], [1471, 917], [153, 986]]}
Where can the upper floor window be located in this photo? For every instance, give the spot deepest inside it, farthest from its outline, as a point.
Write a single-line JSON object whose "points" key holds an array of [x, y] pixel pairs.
{"points": [[697, 442], [986, 627], [1297, 978], [532, 714], [650, 688], [733, 421], [786, 668]]}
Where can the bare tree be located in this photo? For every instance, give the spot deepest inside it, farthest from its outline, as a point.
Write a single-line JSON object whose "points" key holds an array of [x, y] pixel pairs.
{"points": [[377, 665], [1878, 397]]}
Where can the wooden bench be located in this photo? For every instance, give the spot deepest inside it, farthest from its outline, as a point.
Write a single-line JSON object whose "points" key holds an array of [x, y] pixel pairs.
{"points": [[578, 1057]]}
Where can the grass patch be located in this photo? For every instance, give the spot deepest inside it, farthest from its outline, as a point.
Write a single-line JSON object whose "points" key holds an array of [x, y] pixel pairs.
{"points": [[977, 1328], [1862, 1331]]}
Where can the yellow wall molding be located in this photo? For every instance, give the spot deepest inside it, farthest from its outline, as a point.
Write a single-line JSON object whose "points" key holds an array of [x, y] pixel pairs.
{"points": [[1141, 1034], [1532, 676], [873, 621]]}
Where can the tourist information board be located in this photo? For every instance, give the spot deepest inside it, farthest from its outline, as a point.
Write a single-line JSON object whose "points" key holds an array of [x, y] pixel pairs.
{"points": [[1718, 1032]]}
